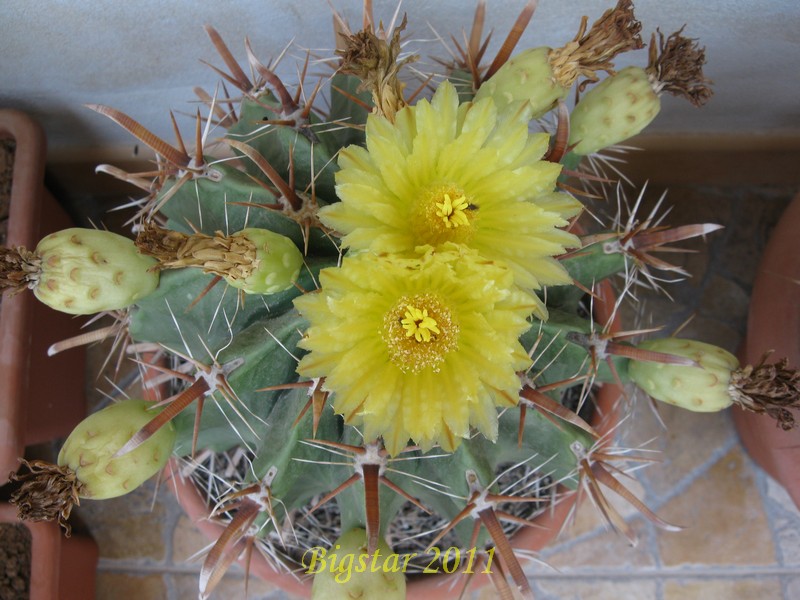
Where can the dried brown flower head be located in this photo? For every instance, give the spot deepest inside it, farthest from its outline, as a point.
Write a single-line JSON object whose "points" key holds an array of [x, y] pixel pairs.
{"points": [[768, 389], [48, 493], [374, 58], [676, 66], [616, 31]]}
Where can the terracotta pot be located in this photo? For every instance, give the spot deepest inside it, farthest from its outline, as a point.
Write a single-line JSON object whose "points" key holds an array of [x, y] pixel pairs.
{"points": [[42, 398], [774, 324], [535, 538], [61, 568]]}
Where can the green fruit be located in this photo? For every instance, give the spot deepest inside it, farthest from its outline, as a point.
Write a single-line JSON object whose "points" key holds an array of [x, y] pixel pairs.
{"points": [[278, 263], [524, 84], [617, 109], [85, 271], [90, 448], [347, 571], [704, 388]]}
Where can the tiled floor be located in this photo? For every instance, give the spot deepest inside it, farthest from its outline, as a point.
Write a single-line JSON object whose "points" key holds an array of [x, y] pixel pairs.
{"points": [[742, 532]]}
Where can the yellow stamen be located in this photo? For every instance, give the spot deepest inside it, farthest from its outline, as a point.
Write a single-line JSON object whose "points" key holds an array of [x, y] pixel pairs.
{"points": [[452, 211], [419, 324], [419, 332]]}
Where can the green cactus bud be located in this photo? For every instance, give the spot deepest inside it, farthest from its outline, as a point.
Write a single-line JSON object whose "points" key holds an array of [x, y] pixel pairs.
{"points": [[617, 109], [531, 83], [85, 271], [526, 83], [87, 467], [278, 263], [626, 102], [717, 381], [90, 448], [701, 388], [257, 261], [348, 571]]}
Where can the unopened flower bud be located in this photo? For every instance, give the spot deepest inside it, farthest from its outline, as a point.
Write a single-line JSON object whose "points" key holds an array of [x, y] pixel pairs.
{"points": [[525, 83], [531, 83]]}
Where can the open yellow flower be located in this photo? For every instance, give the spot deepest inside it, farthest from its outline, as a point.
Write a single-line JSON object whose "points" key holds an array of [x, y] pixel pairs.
{"points": [[417, 348], [444, 172]]}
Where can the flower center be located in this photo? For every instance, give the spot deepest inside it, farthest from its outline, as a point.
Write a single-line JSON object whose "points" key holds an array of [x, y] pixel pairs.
{"points": [[419, 331], [443, 213], [419, 324], [453, 211]]}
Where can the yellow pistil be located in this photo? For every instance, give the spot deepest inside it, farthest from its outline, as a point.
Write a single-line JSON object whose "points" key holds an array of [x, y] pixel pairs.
{"points": [[452, 212], [419, 331], [419, 324], [443, 213]]}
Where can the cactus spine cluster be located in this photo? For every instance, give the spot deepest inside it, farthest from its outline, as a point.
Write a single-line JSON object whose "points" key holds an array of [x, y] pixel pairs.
{"points": [[412, 390]]}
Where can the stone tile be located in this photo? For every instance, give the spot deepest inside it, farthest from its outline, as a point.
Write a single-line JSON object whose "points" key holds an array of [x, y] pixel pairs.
{"points": [[724, 519], [689, 441], [699, 204], [734, 589], [607, 549], [595, 589], [588, 519], [129, 526], [126, 586], [781, 498], [187, 541], [232, 586], [697, 264], [785, 522]]}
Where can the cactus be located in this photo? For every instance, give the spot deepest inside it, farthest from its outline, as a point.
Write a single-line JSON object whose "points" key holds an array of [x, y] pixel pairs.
{"points": [[418, 331]]}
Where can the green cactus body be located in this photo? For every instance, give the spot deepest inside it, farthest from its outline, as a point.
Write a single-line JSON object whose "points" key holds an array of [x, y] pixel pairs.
{"points": [[262, 413], [285, 145], [525, 84], [85, 271], [704, 388], [615, 110], [90, 448], [278, 263], [347, 571]]}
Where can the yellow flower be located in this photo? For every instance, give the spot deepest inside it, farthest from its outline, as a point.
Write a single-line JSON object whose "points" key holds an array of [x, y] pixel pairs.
{"points": [[417, 348], [448, 173]]}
